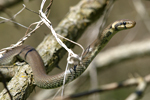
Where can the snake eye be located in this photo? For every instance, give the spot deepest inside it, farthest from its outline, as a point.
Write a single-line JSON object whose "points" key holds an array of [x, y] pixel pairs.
{"points": [[124, 23]]}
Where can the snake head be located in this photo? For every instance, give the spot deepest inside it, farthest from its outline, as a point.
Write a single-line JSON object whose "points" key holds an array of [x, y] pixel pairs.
{"points": [[122, 24]]}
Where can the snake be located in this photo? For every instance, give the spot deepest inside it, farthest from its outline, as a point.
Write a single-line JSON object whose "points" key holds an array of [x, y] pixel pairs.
{"points": [[41, 79]]}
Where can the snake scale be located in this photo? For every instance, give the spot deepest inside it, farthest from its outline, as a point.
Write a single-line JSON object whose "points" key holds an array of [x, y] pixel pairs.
{"points": [[31, 56]]}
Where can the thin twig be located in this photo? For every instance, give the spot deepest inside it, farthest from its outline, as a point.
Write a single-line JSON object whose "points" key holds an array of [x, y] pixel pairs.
{"points": [[47, 10], [139, 90], [6, 19], [112, 86]]}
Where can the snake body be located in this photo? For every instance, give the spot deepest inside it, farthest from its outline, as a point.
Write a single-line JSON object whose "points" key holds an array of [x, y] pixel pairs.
{"points": [[31, 56]]}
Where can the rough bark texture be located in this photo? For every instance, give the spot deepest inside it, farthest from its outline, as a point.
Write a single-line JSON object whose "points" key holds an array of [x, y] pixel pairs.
{"points": [[72, 27]]}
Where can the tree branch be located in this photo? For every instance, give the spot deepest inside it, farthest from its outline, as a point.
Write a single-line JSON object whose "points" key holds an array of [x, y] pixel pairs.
{"points": [[122, 53], [72, 26]]}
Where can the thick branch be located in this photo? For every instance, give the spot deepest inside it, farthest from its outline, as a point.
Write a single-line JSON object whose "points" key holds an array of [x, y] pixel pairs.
{"points": [[72, 26], [118, 54]]}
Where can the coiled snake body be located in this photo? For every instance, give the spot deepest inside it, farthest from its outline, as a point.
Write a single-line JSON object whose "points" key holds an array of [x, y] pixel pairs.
{"points": [[31, 56]]}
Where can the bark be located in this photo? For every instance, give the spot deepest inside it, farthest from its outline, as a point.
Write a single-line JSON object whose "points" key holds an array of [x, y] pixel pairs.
{"points": [[72, 26]]}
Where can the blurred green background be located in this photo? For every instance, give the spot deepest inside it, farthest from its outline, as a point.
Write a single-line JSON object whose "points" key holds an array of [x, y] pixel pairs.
{"points": [[122, 9]]}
